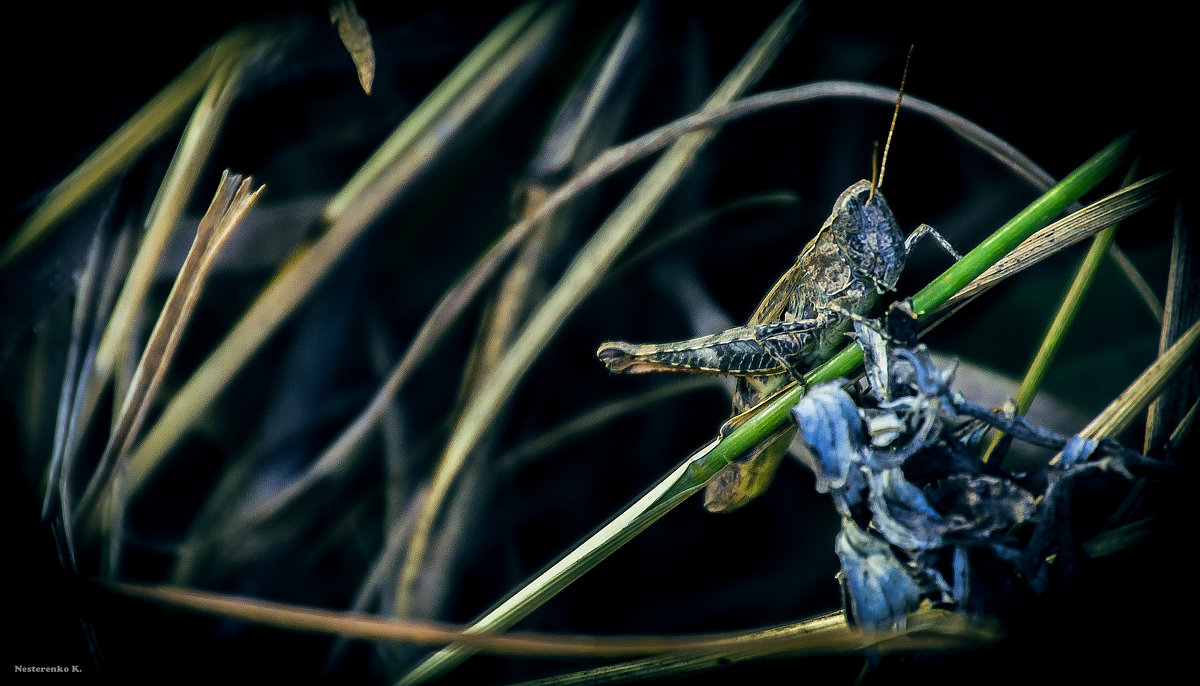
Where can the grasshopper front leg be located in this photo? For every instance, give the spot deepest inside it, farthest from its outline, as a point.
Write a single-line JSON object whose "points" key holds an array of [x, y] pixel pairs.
{"points": [[927, 230]]}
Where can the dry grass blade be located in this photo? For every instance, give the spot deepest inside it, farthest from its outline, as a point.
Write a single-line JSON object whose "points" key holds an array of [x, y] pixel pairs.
{"points": [[177, 187], [1121, 412], [79, 321], [581, 277], [596, 101], [352, 29], [117, 153], [1184, 428], [233, 198], [300, 276], [1063, 234], [688, 228], [928, 630], [1170, 406], [393, 428], [1182, 310], [1140, 286]]}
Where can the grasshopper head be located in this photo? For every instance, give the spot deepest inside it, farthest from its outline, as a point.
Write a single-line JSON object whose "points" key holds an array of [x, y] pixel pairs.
{"points": [[868, 234]]}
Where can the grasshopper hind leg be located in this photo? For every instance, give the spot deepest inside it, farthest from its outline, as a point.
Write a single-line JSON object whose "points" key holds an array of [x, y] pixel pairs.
{"points": [[790, 343]]}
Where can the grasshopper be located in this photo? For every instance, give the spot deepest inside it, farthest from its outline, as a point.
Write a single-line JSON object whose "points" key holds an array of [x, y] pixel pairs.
{"points": [[856, 256]]}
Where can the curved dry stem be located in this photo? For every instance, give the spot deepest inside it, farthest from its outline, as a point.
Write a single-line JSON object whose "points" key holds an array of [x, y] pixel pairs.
{"points": [[927, 630]]}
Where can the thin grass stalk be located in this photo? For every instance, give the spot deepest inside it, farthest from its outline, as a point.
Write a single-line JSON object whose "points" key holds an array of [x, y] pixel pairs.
{"points": [[84, 302], [1137, 281], [1063, 318], [694, 473], [1183, 309], [581, 277], [393, 430], [377, 580], [1066, 313], [1184, 428], [126, 145], [685, 229], [117, 261], [300, 276]]}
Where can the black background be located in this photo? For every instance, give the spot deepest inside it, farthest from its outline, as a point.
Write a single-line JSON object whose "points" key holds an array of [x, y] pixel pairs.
{"points": [[1058, 80]]}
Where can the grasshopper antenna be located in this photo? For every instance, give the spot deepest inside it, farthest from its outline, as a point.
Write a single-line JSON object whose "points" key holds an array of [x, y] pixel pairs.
{"points": [[888, 144], [874, 168]]}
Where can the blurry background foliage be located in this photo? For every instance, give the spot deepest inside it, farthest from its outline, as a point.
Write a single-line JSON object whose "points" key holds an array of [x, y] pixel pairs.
{"points": [[1057, 84]]}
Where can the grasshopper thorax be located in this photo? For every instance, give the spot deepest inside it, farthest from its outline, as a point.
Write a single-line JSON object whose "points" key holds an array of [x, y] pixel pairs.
{"points": [[866, 232]]}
